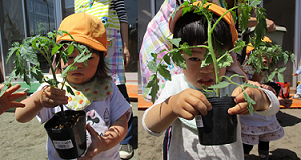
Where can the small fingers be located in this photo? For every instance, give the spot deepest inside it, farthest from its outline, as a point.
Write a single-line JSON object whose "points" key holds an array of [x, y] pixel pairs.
{"points": [[240, 108], [16, 96]]}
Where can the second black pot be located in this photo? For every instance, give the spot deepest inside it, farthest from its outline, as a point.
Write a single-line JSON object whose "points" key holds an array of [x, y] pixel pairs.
{"points": [[218, 127]]}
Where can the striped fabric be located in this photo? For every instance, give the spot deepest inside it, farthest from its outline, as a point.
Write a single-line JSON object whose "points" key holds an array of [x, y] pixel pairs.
{"points": [[111, 12], [115, 63]]}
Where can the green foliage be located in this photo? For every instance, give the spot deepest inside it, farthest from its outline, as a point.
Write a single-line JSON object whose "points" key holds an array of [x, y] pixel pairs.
{"points": [[223, 57], [269, 50], [29, 49]]}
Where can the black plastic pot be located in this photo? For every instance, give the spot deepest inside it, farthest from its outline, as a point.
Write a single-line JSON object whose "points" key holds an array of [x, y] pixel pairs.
{"points": [[69, 143], [218, 126]]}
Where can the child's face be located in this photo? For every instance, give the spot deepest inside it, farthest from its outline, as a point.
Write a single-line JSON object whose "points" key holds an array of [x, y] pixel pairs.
{"points": [[198, 76], [83, 73]]}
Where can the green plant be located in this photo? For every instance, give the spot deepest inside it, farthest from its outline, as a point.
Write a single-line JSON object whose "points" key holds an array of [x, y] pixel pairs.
{"points": [[28, 51], [269, 50], [223, 59]]}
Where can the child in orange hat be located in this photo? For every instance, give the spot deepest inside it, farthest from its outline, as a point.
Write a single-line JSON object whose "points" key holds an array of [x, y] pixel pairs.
{"points": [[107, 112], [258, 129], [181, 99]]}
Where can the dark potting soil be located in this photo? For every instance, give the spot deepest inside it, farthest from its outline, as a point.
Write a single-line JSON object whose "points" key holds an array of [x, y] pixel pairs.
{"points": [[68, 122]]}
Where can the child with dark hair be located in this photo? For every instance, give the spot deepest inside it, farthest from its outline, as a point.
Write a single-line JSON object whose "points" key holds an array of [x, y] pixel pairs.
{"points": [[181, 99], [107, 112]]}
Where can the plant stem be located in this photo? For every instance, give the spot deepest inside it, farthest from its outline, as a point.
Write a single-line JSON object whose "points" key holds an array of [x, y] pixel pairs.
{"points": [[211, 51], [54, 77]]}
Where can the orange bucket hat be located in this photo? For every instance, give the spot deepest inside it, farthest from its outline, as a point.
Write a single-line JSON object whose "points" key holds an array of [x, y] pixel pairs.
{"points": [[250, 48], [86, 29], [213, 8]]}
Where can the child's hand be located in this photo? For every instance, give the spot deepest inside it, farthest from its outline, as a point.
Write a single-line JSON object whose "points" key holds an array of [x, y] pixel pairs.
{"points": [[6, 100], [93, 149], [51, 97], [188, 103], [295, 74], [285, 102], [262, 102]]}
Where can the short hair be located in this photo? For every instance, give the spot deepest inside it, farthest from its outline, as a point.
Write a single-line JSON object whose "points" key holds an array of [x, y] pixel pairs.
{"points": [[192, 28]]}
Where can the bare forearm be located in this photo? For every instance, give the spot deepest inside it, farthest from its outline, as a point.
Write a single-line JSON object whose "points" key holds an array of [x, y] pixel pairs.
{"points": [[124, 34], [116, 133], [160, 117], [31, 109]]}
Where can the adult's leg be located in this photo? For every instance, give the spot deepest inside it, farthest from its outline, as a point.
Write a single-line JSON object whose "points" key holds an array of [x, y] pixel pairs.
{"points": [[126, 151]]}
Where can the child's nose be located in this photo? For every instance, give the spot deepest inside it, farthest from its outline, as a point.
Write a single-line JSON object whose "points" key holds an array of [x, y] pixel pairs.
{"points": [[209, 68], [79, 65]]}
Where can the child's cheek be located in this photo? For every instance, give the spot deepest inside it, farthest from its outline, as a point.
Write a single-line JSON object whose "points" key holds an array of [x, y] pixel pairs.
{"points": [[222, 71]]}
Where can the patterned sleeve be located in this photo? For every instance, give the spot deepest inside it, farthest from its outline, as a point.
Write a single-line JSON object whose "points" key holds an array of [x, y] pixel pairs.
{"points": [[119, 7]]}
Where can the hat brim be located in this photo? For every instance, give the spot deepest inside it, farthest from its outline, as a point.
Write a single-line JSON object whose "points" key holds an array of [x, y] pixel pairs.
{"points": [[83, 40]]}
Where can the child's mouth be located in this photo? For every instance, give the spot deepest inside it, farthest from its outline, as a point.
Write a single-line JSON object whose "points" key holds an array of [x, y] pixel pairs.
{"points": [[206, 81], [77, 74]]}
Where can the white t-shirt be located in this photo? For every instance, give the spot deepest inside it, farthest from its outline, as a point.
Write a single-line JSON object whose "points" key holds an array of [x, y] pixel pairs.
{"points": [[184, 143], [100, 115]]}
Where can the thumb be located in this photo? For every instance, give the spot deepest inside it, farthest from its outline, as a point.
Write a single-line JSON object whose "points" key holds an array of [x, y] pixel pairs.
{"points": [[92, 132]]}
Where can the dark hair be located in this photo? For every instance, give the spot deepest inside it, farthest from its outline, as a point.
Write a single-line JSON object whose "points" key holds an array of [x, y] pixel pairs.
{"points": [[102, 69], [192, 28]]}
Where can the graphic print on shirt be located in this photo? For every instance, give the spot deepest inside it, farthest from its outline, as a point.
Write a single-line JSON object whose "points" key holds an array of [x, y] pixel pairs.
{"points": [[91, 118], [106, 116], [104, 20]]}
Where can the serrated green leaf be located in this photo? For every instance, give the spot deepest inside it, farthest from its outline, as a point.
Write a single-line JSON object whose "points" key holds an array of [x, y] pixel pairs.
{"points": [[26, 79], [166, 58], [69, 90], [292, 57], [239, 45], [225, 61], [219, 85], [51, 82], [272, 75], [37, 74], [280, 78], [281, 69], [254, 3], [151, 81], [250, 102], [175, 41], [55, 49], [154, 55], [178, 59], [155, 87], [249, 85], [11, 52], [152, 66], [164, 72]]}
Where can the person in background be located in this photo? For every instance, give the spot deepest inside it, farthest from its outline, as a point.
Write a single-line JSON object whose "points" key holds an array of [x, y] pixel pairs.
{"points": [[298, 92], [258, 129], [112, 13], [8, 97], [263, 77]]}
